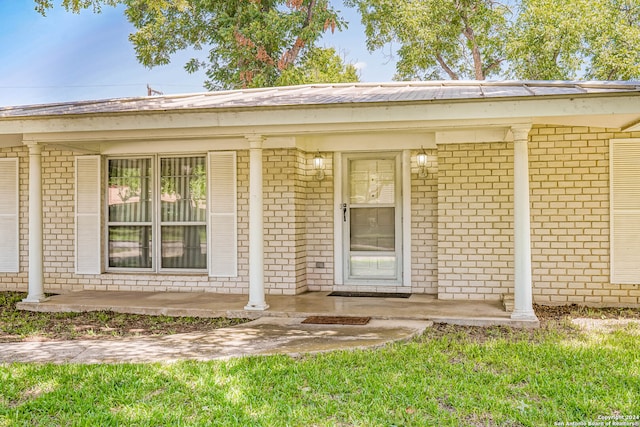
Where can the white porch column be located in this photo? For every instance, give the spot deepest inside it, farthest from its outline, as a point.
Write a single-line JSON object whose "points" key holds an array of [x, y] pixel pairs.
{"points": [[256, 227], [523, 306], [36, 277]]}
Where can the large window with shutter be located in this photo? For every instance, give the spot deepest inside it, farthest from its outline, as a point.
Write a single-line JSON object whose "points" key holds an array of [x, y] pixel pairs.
{"points": [[163, 214], [625, 211]]}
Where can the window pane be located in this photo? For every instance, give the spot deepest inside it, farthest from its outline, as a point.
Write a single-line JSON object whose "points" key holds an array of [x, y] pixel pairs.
{"points": [[184, 247], [373, 266], [373, 229], [183, 182], [130, 190], [129, 247], [372, 181]]}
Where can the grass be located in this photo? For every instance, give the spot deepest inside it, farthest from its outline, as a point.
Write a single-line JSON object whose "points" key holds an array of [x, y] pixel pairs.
{"points": [[450, 376], [16, 325]]}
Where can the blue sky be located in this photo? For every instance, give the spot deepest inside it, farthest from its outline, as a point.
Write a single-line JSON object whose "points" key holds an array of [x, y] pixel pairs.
{"points": [[68, 57]]}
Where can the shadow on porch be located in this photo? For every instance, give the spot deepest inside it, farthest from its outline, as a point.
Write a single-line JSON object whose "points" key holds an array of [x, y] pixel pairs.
{"points": [[203, 304]]}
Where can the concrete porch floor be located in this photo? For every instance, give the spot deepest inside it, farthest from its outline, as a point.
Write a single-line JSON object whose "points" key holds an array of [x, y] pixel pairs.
{"points": [[417, 307]]}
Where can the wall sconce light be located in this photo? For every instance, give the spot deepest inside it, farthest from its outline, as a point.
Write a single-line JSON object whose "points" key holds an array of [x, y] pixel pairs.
{"points": [[318, 166], [421, 159]]}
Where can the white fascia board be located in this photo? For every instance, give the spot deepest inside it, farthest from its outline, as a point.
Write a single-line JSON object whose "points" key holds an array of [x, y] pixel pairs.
{"points": [[472, 136], [334, 117]]}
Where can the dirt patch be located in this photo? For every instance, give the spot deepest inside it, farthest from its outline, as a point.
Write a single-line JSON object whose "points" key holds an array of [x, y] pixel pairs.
{"points": [[17, 325], [567, 320]]}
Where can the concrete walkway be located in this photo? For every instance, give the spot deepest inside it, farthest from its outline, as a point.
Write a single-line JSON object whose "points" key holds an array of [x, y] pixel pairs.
{"points": [[268, 335], [207, 304]]}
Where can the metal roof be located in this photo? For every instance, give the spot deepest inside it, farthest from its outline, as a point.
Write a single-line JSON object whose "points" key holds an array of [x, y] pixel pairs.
{"points": [[329, 94]]}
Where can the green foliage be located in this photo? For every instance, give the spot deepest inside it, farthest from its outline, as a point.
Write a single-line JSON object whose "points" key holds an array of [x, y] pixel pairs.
{"points": [[528, 39], [244, 43], [249, 43], [458, 39], [449, 377], [253, 43], [319, 65]]}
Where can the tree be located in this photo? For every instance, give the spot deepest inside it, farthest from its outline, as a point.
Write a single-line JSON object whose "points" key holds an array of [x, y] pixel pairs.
{"points": [[459, 39], [528, 39], [248, 43], [593, 39]]}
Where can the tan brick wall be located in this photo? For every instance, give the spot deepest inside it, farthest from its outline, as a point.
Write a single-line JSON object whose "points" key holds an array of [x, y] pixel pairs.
{"points": [[475, 220], [569, 190], [424, 226], [570, 217], [319, 226], [284, 201], [461, 220]]}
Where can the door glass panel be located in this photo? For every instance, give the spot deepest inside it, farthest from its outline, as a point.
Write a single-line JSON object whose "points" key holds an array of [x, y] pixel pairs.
{"points": [[372, 181], [373, 266], [373, 229]]}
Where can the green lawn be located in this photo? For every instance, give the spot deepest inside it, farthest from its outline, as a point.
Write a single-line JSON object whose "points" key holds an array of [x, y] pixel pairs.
{"points": [[451, 376]]}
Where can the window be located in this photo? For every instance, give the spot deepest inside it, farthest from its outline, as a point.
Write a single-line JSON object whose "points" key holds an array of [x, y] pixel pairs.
{"points": [[157, 213]]}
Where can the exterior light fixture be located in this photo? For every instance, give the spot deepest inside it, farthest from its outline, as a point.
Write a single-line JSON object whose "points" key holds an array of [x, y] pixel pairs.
{"points": [[318, 166], [421, 159]]}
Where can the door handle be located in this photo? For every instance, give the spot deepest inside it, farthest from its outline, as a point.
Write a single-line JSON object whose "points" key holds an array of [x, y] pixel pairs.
{"points": [[344, 212]]}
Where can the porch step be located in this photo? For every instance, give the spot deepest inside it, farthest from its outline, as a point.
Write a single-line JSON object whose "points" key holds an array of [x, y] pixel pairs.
{"points": [[508, 302]]}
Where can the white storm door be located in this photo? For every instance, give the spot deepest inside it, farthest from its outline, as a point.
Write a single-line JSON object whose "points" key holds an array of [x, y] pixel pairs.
{"points": [[372, 219]]}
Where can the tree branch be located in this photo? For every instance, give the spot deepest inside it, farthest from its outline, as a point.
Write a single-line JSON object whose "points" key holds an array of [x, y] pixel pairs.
{"points": [[290, 55], [477, 57], [452, 74]]}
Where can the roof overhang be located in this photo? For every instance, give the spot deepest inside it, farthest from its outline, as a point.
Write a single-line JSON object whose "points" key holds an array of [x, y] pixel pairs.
{"points": [[616, 110]]}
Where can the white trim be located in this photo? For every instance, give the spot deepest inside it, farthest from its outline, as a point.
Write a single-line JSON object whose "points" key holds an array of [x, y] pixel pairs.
{"points": [[406, 218], [257, 299], [87, 215], [36, 241], [230, 270], [630, 276], [523, 305], [10, 216], [397, 157], [338, 255]]}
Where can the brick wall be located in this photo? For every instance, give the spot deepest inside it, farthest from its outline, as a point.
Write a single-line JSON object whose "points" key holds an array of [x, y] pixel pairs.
{"points": [[424, 226], [569, 190], [462, 220], [284, 203], [319, 226], [569, 169], [475, 220]]}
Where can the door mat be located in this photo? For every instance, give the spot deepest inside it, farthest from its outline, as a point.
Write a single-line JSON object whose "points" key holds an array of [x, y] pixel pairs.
{"points": [[336, 320], [370, 294]]}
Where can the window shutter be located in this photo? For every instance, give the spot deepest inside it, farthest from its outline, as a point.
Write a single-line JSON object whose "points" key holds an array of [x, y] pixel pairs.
{"points": [[9, 216], [88, 196], [223, 227], [625, 211]]}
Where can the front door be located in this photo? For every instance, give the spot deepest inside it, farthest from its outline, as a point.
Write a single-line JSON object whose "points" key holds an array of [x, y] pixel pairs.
{"points": [[372, 219]]}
